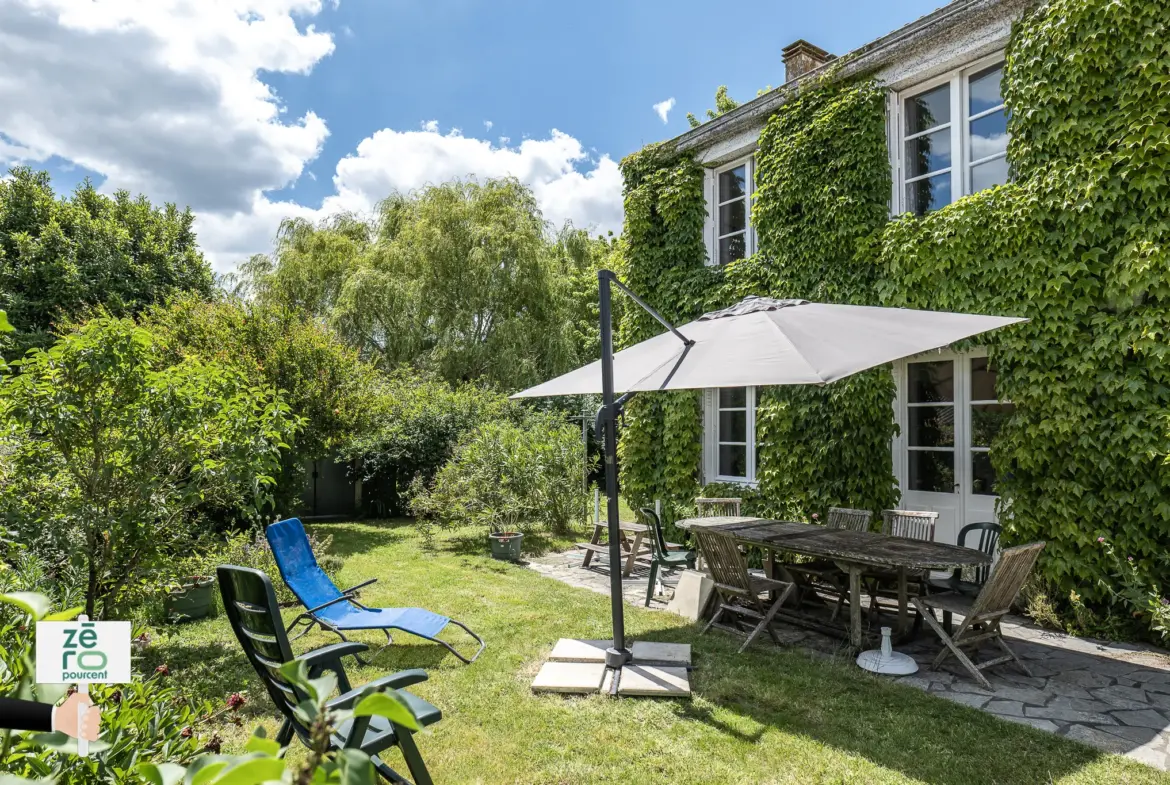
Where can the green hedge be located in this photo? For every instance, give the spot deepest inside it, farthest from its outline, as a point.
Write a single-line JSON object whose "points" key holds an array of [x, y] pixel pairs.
{"points": [[1077, 242]]}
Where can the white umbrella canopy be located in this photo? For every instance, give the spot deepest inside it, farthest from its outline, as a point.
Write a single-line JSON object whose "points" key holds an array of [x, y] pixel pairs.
{"points": [[761, 341]]}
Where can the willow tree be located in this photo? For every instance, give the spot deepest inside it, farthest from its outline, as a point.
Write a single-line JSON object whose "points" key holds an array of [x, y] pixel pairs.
{"points": [[462, 279]]}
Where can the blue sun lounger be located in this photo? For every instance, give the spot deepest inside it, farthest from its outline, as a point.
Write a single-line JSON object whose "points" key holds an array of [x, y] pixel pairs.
{"points": [[339, 611]]}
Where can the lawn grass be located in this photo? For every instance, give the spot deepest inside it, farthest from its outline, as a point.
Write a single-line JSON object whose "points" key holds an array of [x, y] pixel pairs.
{"points": [[767, 716]]}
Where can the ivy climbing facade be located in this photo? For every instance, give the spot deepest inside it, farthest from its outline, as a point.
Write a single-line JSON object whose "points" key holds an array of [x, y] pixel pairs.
{"points": [[1000, 157]]}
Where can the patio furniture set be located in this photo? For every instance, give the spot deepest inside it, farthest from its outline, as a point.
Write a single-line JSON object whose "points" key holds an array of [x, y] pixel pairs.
{"points": [[842, 563]]}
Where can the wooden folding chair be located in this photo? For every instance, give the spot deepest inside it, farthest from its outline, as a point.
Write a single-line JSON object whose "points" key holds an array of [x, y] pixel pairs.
{"points": [[822, 574], [711, 508], [982, 614], [911, 524], [847, 518], [739, 592]]}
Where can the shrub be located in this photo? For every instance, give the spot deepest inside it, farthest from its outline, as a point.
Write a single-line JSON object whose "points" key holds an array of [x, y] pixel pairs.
{"points": [[322, 381], [415, 424], [119, 450], [142, 720], [243, 549], [508, 475]]}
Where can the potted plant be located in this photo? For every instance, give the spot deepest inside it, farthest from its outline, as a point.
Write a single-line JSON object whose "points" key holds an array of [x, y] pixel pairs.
{"points": [[189, 598], [505, 544], [504, 531]]}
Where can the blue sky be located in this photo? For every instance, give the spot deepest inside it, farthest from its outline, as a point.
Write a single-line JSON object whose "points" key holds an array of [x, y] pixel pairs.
{"points": [[260, 109], [591, 70]]}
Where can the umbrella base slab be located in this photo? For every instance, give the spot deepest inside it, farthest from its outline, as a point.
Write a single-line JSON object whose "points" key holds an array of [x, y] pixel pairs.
{"points": [[578, 667]]}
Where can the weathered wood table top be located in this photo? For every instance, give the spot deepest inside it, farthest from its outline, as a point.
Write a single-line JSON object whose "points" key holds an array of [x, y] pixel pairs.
{"points": [[867, 548]]}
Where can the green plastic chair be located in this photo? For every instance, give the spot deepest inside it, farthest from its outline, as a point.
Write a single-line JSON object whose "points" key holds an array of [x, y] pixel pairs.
{"points": [[662, 556], [252, 610]]}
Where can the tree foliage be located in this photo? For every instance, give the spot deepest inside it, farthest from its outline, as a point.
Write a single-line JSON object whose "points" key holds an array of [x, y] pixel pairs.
{"points": [[460, 279], [324, 383], [112, 449], [62, 258], [724, 103]]}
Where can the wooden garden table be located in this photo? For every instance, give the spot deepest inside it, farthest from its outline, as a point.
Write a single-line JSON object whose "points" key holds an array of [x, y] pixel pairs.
{"points": [[853, 552]]}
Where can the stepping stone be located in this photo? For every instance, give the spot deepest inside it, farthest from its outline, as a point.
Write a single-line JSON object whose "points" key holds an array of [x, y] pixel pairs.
{"points": [[1136, 735], [1083, 678], [1010, 692], [1147, 718], [671, 654], [1068, 715], [1099, 739], [1123, 697], [965, 698], [649, 680], [570, 677], [1047, 725], [574, 650], [1009, 708]]}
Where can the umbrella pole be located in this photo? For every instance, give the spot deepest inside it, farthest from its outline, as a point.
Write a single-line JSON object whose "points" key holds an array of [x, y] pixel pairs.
{"points": [[618, 655]]}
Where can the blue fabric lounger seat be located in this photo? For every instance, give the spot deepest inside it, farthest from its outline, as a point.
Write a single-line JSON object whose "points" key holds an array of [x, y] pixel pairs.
{"points": [[338, 610]]}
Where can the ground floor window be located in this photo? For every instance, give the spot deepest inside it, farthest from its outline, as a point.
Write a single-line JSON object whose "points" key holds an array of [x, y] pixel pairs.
{"points": [[731, 434]]}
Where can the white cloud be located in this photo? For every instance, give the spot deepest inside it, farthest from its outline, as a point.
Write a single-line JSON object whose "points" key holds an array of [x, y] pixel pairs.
{"points": [[663, 108], [402, 161], [487, 124], [164, 97]]}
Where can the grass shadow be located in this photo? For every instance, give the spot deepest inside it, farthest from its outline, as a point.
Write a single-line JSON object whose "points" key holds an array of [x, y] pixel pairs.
{"points": [[353, 538], [536, 543], [892, 725]]}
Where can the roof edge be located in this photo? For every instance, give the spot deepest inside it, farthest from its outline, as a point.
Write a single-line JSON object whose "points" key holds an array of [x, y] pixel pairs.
{"points": [[865, 58]]}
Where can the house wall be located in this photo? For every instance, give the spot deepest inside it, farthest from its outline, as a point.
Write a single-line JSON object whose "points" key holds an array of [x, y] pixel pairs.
{"points": [[1077, 242], [983, 36]]}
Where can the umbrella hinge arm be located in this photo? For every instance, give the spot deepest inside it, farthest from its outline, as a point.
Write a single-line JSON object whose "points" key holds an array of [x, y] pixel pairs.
{"points": [[659, 317]]}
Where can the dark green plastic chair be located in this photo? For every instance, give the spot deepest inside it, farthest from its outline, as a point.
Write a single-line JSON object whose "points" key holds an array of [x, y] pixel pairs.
{"points": [[662, 556], [252, 610]]}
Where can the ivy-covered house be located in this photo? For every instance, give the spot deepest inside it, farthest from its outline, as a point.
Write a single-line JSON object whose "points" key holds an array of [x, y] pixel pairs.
{"points": [[996, 156]]}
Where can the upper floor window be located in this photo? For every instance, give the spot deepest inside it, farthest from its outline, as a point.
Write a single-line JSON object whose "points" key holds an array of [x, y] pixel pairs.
{"points": [[953, 138], [733, 209]]}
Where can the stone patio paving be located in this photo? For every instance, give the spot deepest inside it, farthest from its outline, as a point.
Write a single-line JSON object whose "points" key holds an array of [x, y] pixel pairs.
{"points": [[1113, 696]]}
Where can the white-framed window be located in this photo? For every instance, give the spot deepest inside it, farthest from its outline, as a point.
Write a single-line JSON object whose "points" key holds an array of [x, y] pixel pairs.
{"points": [[732, 213], [732, 426], [951, 137]]}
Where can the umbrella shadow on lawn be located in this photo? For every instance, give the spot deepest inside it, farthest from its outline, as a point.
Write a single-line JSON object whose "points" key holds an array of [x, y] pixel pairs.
{"points": [[826, 698]]}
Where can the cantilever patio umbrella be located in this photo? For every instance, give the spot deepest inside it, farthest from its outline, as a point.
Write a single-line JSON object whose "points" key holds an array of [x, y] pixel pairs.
{"points": [[757, 342]]}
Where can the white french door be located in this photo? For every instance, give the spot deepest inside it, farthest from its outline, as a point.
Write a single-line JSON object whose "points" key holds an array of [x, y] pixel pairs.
{"points": [[948, 414]]}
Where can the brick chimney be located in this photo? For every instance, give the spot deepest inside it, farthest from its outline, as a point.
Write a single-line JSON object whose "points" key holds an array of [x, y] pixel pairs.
{"points": [[800, 57]]}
